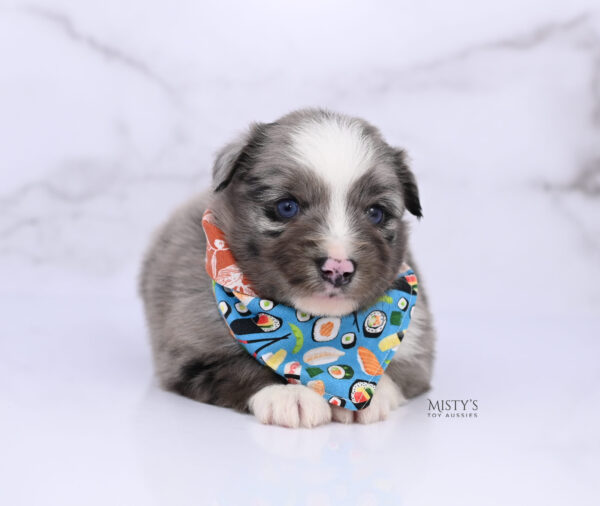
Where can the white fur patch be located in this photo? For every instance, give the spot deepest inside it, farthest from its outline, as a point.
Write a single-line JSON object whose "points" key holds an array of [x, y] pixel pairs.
{"points": [[338, 151], [342, 415], [324, 306], [290, 406]]}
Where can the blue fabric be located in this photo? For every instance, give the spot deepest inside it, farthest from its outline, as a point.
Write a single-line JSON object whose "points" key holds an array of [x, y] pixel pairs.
{"points": [[341, 358]]}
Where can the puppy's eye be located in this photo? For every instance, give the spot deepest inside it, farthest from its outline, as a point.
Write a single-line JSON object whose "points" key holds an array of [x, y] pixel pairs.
{"points": [[375, 214], [287, 208]]}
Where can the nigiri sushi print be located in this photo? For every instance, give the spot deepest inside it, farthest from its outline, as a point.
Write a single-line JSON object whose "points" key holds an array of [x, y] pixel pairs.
{"points": [[317, 385], [322, 355], [368, 362]]}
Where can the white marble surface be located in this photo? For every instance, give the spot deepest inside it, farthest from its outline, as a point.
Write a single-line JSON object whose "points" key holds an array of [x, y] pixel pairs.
{"points": [[109, 115]]}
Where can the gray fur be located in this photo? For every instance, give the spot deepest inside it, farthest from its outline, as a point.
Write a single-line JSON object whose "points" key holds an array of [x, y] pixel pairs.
{"points": [[194, 353]]}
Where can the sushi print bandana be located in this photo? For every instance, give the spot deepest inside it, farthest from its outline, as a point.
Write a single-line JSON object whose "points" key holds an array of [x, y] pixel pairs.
{"points": [[340, 358]]}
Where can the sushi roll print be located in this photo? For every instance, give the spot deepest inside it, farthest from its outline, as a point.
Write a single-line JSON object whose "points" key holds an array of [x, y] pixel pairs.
{"points": [[340, 371], [326, 329], [348, 340], [361, 393], [375, 323]]}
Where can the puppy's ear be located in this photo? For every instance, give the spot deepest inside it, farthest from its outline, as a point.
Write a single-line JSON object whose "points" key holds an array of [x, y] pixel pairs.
{"points": [[236, 156], [409, 184]]}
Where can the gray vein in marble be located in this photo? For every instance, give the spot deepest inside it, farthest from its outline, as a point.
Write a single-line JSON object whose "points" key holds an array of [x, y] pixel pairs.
{"points": [[595, 88], [74, 198], [588, 235], [530, 40], [585, 182], [18, 225], [78, 197], [51, 190], [538, 36], [111, 53]]}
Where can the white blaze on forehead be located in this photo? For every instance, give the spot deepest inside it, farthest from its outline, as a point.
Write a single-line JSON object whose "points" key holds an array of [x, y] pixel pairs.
{"points": [[339, 152]]}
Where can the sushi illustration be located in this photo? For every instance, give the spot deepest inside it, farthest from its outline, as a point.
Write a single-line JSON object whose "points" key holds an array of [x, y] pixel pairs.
{"points": [[242, 309], [263, 322], [368, 362], [361, 392], [291, 372], [314, 371], [337, 401], [322, 355], [340, 371], [403, 303], [374, 323], [406, 284], [348, 340], [317, 385], [302, 316], [274, 360], [267, 323], [299, 337], [396, 317], [390, 342], [326, 329], [266, 305], [224, 308], [411, 279]]}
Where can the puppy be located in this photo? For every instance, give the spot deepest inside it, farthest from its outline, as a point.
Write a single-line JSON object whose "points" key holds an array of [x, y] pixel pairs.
{"points": [[290, 195]]}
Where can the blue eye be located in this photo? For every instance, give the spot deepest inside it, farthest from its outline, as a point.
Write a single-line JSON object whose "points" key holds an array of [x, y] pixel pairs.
{"points": [[375, 214], [287, 208]]}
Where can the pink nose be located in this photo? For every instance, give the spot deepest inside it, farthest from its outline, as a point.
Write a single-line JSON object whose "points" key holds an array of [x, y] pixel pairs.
{"points": [[336, 272]]}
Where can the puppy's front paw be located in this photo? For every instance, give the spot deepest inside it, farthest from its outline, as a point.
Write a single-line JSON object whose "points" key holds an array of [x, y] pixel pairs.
{"points": [[290, 406], [342, 415], [388, 396]]}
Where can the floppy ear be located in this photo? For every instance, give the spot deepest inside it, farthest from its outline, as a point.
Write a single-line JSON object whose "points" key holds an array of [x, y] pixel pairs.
{"points": [[235, 156], [409, 184]]}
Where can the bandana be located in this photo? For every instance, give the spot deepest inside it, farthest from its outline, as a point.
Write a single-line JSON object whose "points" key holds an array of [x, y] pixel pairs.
{"points": [[340, 358]]}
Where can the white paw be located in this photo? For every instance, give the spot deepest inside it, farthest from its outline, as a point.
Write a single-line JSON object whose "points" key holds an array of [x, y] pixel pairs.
{"points": [[290, 406], [388, 396], [342, 415]]}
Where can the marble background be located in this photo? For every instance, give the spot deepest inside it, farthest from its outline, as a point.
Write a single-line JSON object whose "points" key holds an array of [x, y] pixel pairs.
{"points": [[110, 114]]}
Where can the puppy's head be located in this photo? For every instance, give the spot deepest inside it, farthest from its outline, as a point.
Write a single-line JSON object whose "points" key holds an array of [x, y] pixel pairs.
{"points": [[312, 207]]}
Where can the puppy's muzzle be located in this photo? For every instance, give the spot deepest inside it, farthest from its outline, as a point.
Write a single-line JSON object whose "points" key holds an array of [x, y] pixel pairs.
{"points": [[337, 272]]}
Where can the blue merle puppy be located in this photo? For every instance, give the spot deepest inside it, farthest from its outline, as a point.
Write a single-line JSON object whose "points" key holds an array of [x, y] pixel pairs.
{"points": [[312, 206]]}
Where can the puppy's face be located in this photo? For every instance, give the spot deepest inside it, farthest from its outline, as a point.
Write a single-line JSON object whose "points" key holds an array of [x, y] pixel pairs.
{"points": [[312, 208]]}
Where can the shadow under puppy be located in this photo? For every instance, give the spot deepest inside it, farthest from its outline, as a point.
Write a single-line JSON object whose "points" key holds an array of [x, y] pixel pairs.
{"points": [[312, 208]]}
